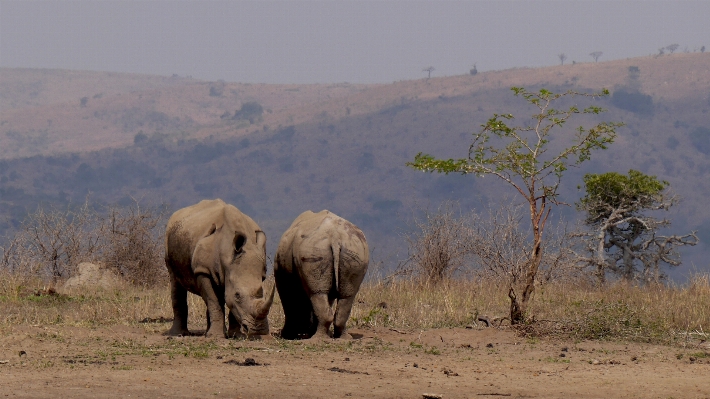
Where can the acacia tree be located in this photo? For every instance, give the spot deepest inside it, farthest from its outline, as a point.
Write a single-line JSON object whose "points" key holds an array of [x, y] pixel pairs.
{"points": [[519, 156], [562, 57], [624, 239], [596, 55], [429, 70]]}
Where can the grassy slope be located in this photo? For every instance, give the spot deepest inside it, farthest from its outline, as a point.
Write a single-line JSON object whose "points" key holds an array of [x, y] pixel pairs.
{"points": [[346, 151]]}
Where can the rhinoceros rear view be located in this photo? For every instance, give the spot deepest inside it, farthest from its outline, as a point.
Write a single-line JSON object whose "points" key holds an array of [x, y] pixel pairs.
{"points": [[321, 258]]}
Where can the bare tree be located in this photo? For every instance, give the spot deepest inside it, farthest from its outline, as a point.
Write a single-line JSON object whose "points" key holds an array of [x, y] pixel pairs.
{"points": [[429, 70], [596, 55], [562, 57], [672, 48]]}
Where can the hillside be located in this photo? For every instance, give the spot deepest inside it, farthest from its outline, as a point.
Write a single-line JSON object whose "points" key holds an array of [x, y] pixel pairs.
{"points": [[339, 147]]}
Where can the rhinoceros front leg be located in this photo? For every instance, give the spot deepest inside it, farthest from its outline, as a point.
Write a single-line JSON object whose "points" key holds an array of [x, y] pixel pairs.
{"points": [[178, 296], [321, 308], [234, 326], [342, 314], [215, 312]]}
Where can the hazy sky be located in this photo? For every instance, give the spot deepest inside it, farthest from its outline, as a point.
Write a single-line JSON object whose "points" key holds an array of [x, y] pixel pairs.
{"points": [[337, 41]]}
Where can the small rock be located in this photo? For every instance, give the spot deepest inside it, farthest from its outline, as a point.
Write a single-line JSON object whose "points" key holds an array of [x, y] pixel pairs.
{"points": [[692, 358], [22, 353], [564, 349], [595, 362], [489, 346], [432, 396], [634, 358], [562, 355]]}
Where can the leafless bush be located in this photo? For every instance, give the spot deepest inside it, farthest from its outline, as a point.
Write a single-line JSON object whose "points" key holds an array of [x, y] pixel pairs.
{"points": [[440, 244], [134, 245], [52, 242], [493, 247], [501, 249]]}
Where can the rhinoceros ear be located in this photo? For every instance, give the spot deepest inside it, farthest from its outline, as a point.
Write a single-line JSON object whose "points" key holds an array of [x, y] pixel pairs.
{"points": [[211, 230], [260, 239], [239, 241]]}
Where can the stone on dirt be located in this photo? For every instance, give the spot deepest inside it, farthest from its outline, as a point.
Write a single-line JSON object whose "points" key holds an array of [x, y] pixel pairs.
{"points": [[92, 276]]}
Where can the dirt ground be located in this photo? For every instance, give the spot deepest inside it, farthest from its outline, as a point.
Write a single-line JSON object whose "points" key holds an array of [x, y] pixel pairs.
{"points": [[121, 361]]}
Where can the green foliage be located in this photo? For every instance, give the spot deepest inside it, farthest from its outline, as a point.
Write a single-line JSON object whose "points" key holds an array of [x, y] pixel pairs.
{"points": [[610, 191], [521, 157]]}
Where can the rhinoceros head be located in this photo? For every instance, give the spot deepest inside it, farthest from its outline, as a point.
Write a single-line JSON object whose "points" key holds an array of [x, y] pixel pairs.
{"points": [[243, 261]]}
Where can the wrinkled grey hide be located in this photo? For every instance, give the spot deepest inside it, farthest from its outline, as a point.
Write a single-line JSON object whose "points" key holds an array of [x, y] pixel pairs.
{"points": [[321, 258], [215, 251]]}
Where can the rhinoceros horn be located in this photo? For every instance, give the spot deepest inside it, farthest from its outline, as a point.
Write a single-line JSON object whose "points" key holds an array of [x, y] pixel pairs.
{"points": [[263, 306]]}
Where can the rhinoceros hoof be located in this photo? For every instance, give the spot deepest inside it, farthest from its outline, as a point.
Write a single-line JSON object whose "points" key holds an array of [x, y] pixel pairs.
{"points": [[215, 333], [345, 336], [177, 332]]}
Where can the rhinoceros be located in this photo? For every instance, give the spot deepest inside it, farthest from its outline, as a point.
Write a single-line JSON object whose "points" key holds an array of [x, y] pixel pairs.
{"points": [[215, 251], [321, 258]]}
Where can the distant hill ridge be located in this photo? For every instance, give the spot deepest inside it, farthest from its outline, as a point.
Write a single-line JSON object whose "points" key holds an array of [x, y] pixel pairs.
{"points": [[42, 110]]}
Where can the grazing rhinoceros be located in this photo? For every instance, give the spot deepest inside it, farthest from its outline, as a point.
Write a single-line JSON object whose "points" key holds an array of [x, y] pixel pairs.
{"points": [[321, 257], [215, 251]]}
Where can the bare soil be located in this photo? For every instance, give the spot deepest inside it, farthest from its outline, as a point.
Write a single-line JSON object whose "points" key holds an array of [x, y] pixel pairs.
{"points": [[122, 361]]}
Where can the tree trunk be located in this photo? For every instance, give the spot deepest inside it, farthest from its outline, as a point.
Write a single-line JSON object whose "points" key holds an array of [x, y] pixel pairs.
{"points": [[600, 259], [518, 309]]}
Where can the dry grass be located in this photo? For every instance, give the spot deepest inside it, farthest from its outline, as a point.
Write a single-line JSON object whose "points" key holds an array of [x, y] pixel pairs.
{"points": [[669, 314]]}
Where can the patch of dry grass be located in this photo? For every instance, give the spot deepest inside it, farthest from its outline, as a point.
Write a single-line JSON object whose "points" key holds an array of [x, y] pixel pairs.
{"points": [[660, 313]]}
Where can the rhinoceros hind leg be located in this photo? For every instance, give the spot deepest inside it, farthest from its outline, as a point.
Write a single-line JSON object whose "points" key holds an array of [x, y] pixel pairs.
{"points": [[323, 313], [342, 314]]}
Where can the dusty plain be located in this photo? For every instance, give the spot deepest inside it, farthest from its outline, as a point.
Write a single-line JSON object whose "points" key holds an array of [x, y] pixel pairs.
{"points": [[127, 361]]}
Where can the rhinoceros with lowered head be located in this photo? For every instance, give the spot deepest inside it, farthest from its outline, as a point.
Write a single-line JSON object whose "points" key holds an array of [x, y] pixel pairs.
{"points": [[215, 251], [321, 258]]}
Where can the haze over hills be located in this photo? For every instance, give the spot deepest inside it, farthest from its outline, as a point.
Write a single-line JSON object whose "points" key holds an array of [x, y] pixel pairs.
{"points": [[341, 147]]}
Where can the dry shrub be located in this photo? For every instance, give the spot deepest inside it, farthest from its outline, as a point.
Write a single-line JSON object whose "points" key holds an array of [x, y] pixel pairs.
{"points": [[52, 242], [492, 247], [134, 247], [439, 246]]}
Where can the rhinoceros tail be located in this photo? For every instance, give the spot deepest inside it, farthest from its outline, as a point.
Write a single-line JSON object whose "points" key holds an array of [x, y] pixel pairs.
{"points": [[335, 247]]}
